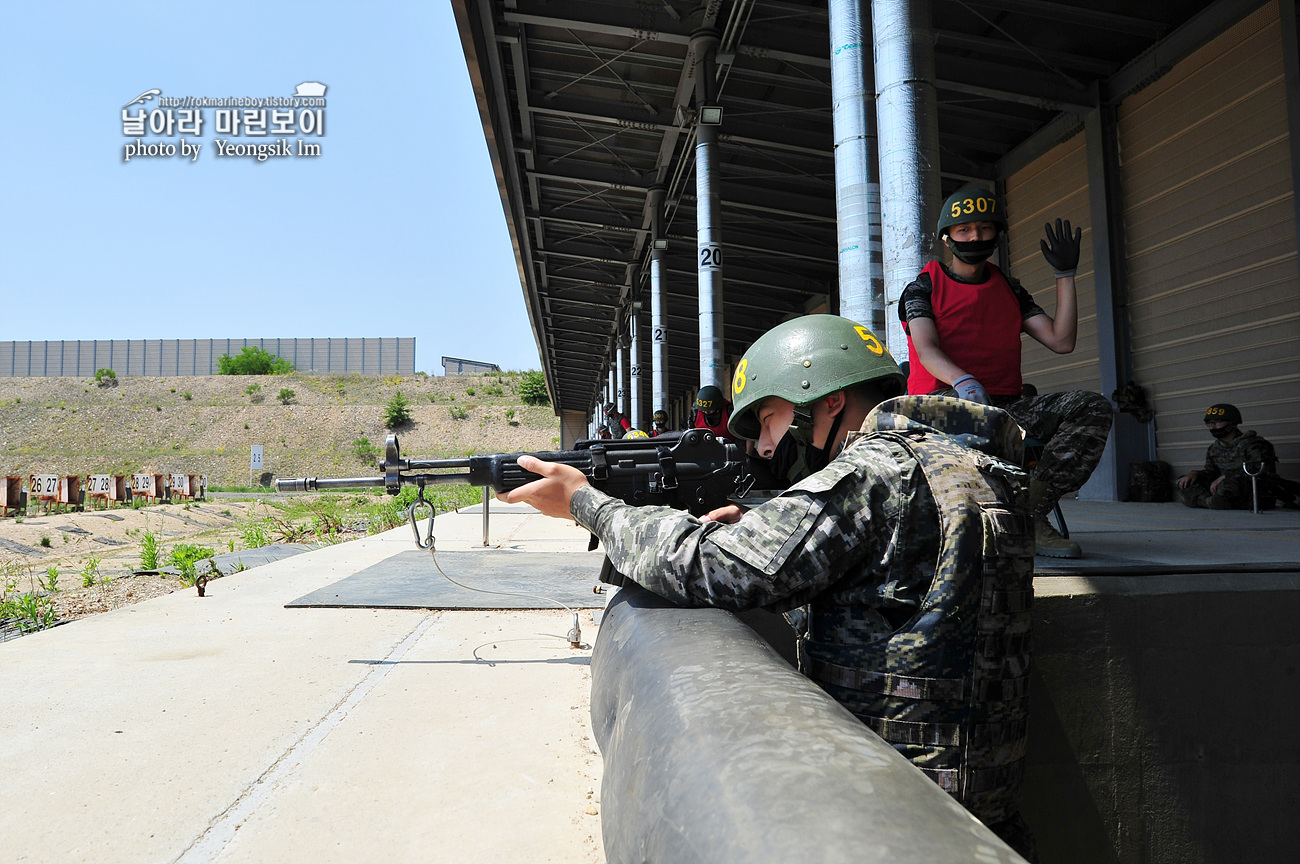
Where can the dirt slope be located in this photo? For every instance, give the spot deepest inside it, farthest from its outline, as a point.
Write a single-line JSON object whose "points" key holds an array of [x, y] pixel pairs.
{"points": [[205, 425]]}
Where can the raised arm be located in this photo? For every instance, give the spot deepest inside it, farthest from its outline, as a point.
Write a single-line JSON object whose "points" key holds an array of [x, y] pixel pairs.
{"points": [[1061, 249]]}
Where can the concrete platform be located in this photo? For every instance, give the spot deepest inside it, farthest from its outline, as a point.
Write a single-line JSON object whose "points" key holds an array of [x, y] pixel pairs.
{"points": [[1122, 537], [230, 728]]}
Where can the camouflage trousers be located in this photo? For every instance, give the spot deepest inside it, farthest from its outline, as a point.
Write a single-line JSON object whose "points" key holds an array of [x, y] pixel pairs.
{"points": [[1074, 427], [1234, 493]]}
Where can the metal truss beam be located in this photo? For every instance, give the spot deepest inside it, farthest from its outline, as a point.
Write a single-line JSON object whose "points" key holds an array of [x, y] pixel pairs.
{"points": [[1078, 15]]}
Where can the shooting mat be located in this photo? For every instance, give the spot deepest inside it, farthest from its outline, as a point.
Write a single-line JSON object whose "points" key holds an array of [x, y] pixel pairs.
{"points": [[408, 580]]}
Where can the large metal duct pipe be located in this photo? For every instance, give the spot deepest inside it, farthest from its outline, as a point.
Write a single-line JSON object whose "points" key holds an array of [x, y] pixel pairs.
{"points": [[658, 308], [634, 366], [908, 121], [857, 183], [716, 749], [708, 215]]}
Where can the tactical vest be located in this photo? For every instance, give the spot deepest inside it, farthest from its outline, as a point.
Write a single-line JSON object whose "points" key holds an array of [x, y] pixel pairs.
{"points": [[950, 688]]}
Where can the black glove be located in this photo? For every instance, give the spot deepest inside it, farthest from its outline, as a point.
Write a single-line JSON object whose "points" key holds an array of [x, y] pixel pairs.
{"points": [[1063, 253]]}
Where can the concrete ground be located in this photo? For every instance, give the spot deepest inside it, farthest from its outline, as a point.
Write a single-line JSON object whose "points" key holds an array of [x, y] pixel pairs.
{"points": [[1125, 537], [229, 728]]}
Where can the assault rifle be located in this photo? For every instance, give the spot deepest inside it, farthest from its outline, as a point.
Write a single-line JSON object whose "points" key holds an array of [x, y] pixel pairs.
{"points": [[689, 470]]}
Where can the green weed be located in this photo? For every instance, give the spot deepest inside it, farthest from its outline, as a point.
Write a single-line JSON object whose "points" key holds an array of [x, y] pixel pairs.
{"points": [[397, 412], [30, 611], [89, 571], [366, 452], [255, 533], [149, 551]]}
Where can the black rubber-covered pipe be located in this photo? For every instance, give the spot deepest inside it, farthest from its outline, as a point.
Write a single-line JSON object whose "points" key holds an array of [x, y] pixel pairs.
{"points": [[717, 751]]}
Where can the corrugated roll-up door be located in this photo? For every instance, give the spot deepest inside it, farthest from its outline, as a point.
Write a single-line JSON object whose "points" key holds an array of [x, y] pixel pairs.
{"points": [[1209, 217], [1054, 186]]}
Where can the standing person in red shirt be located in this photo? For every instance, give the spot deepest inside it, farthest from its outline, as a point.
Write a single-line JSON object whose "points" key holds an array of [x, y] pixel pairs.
{"points": [[963, 324], [712, 411]]}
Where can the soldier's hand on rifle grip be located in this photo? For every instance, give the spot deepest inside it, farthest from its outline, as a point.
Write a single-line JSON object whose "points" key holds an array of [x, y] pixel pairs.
{"points": [[728, 514], [552, 494], [1063, 251]]}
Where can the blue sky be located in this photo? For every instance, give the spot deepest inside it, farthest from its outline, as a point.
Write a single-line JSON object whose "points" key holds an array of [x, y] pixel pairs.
{"points": [[395, 230]]}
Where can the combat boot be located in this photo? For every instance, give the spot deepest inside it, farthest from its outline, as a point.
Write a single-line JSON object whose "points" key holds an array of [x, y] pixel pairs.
{"points": [[1047, 541]]}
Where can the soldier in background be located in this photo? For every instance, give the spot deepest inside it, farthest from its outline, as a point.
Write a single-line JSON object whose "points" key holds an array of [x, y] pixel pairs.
{"points": [[903, 516], [1223, 483], [618, 424], [964, 323], [658, 423], [712, 411]]}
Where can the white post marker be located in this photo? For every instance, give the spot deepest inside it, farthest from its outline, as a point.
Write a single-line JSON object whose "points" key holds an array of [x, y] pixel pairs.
{"points": [[254, 461]]}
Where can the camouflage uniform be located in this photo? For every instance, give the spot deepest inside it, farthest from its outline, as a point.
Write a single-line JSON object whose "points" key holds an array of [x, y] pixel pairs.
{"points": [[1073, 426], [904, 521], [1223, 459]]}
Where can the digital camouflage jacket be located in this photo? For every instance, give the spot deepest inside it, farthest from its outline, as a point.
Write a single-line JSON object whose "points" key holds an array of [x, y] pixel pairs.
{"points": [[1225, 459], [905, 566]]}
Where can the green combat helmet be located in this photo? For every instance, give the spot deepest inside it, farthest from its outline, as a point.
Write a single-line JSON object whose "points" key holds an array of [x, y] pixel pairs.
{"points": [[971, 204], [805, 359]]}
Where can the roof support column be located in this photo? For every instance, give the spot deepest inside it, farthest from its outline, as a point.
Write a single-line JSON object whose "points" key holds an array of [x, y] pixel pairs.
{"points": [[634, 365], [708, 216], [908, 116], [1130, 440], [857, 172], [610, 391], [658, 307], [620, 392]]}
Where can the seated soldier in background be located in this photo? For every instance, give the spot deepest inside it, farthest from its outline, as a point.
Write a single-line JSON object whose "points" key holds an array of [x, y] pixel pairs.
{"points": [[712, 411], [1223, 483], [963, 326]]}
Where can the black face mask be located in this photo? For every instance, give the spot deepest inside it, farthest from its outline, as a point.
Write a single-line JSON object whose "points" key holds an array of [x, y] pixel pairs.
{"points": [[973, 251], [1223, 432]]}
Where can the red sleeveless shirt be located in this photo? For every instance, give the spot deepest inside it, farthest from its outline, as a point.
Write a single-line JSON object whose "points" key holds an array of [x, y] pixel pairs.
{"points": [[979, 329]]}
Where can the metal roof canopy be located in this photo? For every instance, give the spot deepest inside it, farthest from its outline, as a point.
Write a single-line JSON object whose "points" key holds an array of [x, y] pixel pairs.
{"points": [[580, 104]]}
